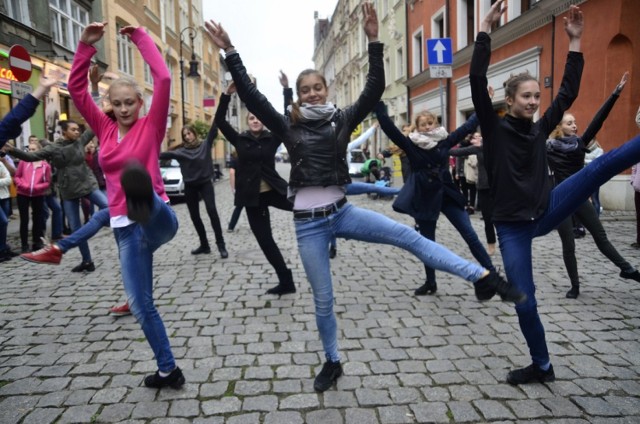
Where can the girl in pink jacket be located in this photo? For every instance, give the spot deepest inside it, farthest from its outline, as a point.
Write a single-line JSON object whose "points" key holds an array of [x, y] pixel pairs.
{"points": [[33, 181]]}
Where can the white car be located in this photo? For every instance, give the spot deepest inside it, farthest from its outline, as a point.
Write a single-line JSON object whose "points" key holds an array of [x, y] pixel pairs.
{"points": [[172, 178], [356, 161]]}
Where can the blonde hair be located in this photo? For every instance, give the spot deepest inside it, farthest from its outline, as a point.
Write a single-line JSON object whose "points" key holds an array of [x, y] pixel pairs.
{"points": [[557, 131], [425, 114], [126, 82]]}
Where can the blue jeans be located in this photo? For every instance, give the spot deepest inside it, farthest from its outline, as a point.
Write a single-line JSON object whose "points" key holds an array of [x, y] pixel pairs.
{"points": [[461, 221], [350, 222], [52, 204], [367, 188], [516, 237], [5, 207], [72, 211], [98, 220], [136, 244]]}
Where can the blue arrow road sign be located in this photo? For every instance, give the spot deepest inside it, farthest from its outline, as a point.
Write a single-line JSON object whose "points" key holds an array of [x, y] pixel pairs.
{"points": [[439, 51]]}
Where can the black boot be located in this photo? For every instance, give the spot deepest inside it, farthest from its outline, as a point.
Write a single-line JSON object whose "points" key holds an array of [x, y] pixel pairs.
{"points": [[429, 287], [223, 251], [203, 248], [286, 284], [573, 292]]}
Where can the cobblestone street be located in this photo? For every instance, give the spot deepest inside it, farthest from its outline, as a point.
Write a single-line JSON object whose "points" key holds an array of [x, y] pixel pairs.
{"points": [[251, 358]]}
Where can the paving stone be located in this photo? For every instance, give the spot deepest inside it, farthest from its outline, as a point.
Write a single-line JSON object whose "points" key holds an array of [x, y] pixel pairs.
{"points": [[463, 412], [360, 416], [43, 416], [79, 414], [596, 406], [109, 396], [528, 409], [222, 406], [432, 412], [324, 416], [286, 417], [253, 418], [395, 414], [116, 413], [13, 408], [184, 408], [493, 410]]}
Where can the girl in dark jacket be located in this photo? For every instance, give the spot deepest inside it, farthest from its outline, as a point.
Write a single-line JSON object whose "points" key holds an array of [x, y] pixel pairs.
{"points": [[316, 136], [430, 189], [196, 165], [566, 151], [258, 185], [525, 203]]}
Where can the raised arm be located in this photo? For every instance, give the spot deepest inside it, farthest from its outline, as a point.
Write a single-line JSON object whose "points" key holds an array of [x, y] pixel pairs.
{"points": [[287, 92], [389, 128], [10, 126], [256, 102], [603, 112], [363, 137], [220, 119], [43, 154], [470, 126]]}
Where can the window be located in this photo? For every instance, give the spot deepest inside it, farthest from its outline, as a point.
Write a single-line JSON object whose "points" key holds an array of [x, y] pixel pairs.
{"points": [[387, 70], [147, 74], [525, 4], [125, 52], [437, 26], [417, 57], [170, 14], [18, 10], [399, 63], [68, 19], [170, 68]]}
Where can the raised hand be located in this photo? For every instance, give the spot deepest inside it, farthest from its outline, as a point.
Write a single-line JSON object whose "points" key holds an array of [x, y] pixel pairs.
{"points": [[623, 81], [574, 22], [493, 16], [284, 80], [94, 74], [231, 88], [93, 32], [218, 35], [370, 21], [128, 30]]}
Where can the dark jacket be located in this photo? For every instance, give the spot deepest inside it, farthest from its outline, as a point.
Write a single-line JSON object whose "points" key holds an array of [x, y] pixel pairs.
{"points": [[75, 178], [317, 148], [196, 164], [430, 180], [565, 164], [256, 159], [11, 124], [515, 150]]}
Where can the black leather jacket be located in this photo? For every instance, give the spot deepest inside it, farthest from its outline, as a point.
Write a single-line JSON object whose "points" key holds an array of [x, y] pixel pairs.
{"points": [[317, 148]]}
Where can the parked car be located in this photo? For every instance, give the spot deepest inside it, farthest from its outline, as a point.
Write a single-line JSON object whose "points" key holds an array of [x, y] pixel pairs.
{"points": [[358, 158], [172, 178]]}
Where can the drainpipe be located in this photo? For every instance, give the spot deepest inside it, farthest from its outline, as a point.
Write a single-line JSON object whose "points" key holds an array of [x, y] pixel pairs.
{"points": [[406, 60], [553, 52], [447, 17]]}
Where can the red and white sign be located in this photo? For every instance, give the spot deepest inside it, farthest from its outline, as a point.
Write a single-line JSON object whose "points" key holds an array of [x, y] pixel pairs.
{"points": [[20, 62]]}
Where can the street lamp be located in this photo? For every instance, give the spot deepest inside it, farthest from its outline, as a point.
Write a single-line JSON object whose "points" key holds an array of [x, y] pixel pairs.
{"points": [[193, 66]]}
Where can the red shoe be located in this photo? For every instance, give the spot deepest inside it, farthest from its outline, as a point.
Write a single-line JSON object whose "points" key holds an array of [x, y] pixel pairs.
{"points": [[50, 254], [120, 310]]}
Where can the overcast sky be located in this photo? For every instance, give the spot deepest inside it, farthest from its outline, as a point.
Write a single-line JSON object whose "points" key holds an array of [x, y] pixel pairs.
{"points": [[271, 35]]}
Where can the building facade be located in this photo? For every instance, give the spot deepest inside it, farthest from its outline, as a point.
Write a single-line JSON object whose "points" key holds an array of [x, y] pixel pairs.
{"points": [[531, 38], [50, 31]]}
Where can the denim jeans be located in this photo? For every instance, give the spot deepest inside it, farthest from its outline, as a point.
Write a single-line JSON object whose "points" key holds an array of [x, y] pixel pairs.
{"points": [[461, 221], [4, 222], [52, 204], [516, 237], [98, 220], [72, 211], [349, 222], [368, 188], [136, 244]]}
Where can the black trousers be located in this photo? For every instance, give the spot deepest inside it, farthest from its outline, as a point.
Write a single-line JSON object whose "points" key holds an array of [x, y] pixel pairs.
{"points": [[192, 194], [589, 219], [486, 207], [260, 223], [37, 220]]}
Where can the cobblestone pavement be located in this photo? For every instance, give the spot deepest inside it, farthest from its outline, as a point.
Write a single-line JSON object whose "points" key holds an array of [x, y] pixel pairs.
{"points": [[251, 358]]}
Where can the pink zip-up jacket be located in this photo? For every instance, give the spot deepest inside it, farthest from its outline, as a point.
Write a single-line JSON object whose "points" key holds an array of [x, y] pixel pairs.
{"points": [[33, 179], [143, 141]]}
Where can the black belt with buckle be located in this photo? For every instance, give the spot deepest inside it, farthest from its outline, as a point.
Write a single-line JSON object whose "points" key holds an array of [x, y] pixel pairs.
{"points": [[320, 212]]}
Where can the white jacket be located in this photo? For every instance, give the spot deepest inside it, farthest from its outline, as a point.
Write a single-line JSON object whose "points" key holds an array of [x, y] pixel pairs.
{"points": [[5, 181]]}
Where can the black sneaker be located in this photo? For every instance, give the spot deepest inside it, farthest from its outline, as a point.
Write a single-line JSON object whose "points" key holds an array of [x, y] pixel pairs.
{"points": [[201, 249], [493, 283], [428, 287], [329, 374], [84, 266], [531, 374], [631, 275], [332, 252], [281, 289], [223, 251], [174, 380], [138, 189]]}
